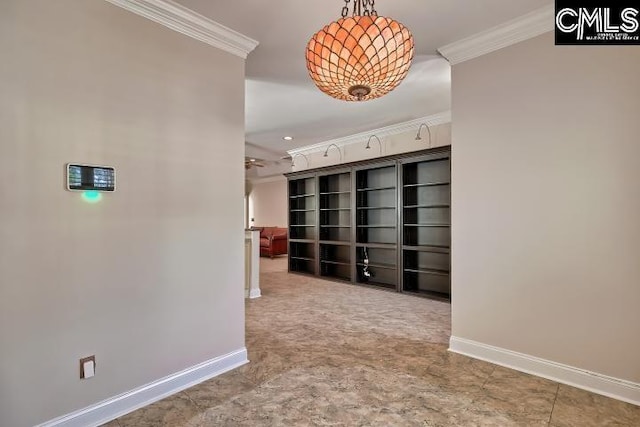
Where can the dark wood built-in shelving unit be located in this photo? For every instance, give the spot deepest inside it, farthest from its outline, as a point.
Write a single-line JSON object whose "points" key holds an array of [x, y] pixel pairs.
{"points": [[384, 223], [335, 225], [377, 221], [302, 225], [426, 236]]}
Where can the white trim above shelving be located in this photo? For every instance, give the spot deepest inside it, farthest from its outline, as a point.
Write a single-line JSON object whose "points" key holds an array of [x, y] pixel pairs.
{"points": [[517, 30], [268, 179], [412, 125], [184, 20], [626, 391]]}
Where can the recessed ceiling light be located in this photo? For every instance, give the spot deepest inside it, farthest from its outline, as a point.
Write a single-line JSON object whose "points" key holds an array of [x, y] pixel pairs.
{"points": [[288, 138]]}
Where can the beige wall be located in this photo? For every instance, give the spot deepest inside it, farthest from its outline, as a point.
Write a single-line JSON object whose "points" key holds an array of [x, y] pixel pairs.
{"points": [[268, 203], [393, 144], [150, 279], [546, 204]]}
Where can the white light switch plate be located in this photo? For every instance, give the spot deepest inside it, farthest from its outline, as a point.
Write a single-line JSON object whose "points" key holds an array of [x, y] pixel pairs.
{"points": [[89, 369]]}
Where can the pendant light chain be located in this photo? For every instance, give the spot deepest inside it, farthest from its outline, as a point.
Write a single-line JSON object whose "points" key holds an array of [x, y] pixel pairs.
{"points": [[360, 8], [345, 9]]}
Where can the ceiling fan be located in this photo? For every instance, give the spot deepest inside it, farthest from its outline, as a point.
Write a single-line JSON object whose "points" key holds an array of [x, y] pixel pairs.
{"points": [[250, 162]]}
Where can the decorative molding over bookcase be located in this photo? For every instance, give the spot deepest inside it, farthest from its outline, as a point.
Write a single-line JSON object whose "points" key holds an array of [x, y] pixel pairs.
{"points": [[184, 20], [360, 138], [515, 31], [269, 179]]}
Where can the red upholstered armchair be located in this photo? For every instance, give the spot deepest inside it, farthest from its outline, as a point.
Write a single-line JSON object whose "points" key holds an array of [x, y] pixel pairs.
{"points": [[273, 241]]}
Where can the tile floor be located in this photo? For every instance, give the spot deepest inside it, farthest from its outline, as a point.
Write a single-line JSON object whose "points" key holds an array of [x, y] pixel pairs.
{"points": [[329, 354]]}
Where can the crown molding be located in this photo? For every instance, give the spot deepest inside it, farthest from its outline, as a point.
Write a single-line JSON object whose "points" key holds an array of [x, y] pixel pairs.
{"points": [[184, 20], [515, 31], [268, 179], [436, 119]]}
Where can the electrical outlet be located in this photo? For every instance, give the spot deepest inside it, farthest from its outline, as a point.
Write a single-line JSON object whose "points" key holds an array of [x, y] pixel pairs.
{"points": [[87, 367]]}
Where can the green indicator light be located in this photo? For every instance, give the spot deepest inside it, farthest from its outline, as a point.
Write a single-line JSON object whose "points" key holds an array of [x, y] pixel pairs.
{"points": [[92, 196]]}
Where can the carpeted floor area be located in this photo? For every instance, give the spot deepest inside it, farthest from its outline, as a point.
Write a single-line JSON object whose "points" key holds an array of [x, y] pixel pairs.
{"points": [[330, 354]]}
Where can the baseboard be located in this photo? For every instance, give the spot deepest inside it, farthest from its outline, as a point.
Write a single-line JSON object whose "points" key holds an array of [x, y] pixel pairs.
{"points": [[255, 293], [615, 388], [110, 409]]}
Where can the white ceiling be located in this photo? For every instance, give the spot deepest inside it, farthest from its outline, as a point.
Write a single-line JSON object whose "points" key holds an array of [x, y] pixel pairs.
{"points": [[282, 100]]}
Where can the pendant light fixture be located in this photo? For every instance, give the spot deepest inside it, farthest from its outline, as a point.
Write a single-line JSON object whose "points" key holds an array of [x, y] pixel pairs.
{"points": [[361, 56]]}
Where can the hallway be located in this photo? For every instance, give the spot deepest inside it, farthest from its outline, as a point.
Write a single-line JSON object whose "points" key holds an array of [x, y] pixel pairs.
{"points": [[325, 353]]}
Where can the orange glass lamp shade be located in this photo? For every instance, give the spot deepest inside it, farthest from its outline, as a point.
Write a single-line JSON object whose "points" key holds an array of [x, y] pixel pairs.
{"points": [[359, 58]]}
